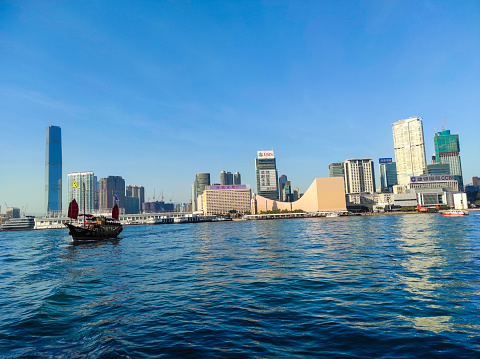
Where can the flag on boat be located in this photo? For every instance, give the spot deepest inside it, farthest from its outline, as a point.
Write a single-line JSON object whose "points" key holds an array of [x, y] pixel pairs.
{"points": [[116, 198], [75, 185]]}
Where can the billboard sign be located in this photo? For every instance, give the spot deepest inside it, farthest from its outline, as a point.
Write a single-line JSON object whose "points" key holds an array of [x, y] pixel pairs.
{"points": [[265, 154], [268, 180], [230, 186], [384, 160], [436, 178]]}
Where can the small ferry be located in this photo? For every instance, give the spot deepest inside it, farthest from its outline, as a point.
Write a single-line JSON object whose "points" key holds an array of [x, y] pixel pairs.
{"points": [[19, 224], [455, 212]]}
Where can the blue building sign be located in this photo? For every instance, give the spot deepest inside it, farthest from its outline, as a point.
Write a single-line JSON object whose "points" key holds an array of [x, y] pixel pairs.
{"points": [[384, 160]]}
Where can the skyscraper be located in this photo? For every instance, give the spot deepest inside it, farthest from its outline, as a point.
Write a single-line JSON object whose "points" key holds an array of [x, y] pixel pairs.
{"points": [[53, 169], [359, 175], [226, 178], [336, 170], [82, 178], [237, 178], [447, 151], [282, 180], [409, 149], [267, 175], [137, 193], [388, 174], [109, 188], [201, 180]]}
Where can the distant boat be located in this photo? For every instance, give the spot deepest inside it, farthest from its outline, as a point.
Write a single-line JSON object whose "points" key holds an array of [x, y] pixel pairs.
{"points": [[94, 227], [455, 212], [19, 224], [332, 214]]}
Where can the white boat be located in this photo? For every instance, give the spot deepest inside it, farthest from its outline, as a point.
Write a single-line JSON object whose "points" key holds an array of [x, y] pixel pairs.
{"points": [[19, 224], [332, 214], [455, 212]]}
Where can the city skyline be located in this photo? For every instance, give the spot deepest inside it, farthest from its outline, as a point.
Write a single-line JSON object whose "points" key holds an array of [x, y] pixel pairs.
{"points": [[191, 88]]}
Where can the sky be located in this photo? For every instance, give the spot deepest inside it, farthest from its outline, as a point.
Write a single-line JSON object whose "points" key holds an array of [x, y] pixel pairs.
{"points": [[157, 91]]}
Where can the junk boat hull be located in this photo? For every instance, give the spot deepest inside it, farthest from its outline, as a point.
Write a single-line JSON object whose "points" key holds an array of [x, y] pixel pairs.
{"points": [[95, 233]]}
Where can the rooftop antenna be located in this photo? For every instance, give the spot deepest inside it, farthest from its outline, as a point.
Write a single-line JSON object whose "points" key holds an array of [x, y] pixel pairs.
{"points": [[443, 127]]}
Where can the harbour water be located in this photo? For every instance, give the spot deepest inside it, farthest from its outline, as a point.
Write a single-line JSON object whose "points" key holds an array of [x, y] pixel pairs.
{"points": [[350, 287]]}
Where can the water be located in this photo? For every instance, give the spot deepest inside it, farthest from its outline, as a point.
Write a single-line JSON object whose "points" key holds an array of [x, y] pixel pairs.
{"points": [[383, 286]]}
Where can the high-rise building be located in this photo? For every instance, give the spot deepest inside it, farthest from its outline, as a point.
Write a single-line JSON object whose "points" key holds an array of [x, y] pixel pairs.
{"points": [[438, 169], [475, 181], [287, 192], [447, 151], [409, 149], [53, 169], [109, 188], [336, 170], [237, 178], [137, 193], [86, 181], [226, 178], [201, 180], [267, 175], [281, 184], [359, 175], [388, 174]]}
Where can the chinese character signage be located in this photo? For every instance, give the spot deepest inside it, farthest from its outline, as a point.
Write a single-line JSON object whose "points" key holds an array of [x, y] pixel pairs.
{"points": [[436, 178], [230, 186], [268, 180], [384, 160]]}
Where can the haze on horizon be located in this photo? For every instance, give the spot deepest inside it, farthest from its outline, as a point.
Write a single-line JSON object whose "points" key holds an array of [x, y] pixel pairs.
{"points": [[158, 91]]}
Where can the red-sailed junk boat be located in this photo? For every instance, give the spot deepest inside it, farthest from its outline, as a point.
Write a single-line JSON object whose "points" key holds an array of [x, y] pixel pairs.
{"points": [[94, 227]]}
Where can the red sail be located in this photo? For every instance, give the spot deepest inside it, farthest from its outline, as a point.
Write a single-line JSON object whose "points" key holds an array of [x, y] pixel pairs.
{"points": [[73, 209], [115, 212]]}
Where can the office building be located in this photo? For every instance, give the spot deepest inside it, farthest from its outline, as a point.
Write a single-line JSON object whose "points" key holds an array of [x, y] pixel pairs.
{"points": [[237, 178], [388, 175], [220, 200], [266, 175], [281, 184], [409, 149], [226, 178], [475, 181], [201, 181], [438, 169], [131, 193], [336, 170], [109, 188], [86, 183], [447, 151], [359, 175], [12, 212], [287, 192], [53, 170]]}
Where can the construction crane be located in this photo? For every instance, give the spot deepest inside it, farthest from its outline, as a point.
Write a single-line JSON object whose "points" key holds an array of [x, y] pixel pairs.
{"points": [[171, 197]]}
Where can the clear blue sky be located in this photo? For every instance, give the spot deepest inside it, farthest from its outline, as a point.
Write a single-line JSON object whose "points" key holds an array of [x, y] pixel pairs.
{"points": [[156, 91]]}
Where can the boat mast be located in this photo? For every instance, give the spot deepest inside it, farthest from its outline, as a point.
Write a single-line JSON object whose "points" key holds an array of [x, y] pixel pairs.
{"points": [[84, 218]]}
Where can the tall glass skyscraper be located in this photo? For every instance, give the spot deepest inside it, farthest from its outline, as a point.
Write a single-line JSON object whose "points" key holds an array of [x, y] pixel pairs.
{"points": [[53, 170], [388, 174], [447, 151]]}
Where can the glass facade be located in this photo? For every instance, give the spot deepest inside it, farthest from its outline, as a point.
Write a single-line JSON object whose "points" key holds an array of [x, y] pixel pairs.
{"points": [[53, 170], [388, 176], [447, 151], [336, 170]]}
